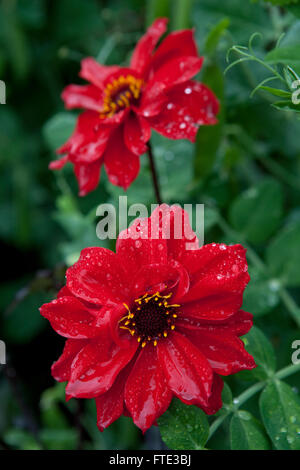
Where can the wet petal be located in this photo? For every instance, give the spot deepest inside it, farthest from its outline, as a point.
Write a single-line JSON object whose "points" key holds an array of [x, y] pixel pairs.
{"points": [[88, 176], [173, 73], [137, 246], [87, 96], [110, 405], [218, 306], [96, 367], [215, 399], [225, 352], [147, 395], [88, 140], [96, 73], [238, 324], [98, 277], [188, 372], [158, 278], [134, 136], [176, 44], [69, 318], [215, 270], [61, 369], [59, 164], [188, 106], [122, 166], [143, 50]]}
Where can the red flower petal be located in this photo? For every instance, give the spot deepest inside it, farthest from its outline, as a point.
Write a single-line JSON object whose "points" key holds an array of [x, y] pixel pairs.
{"points": [[88, 176], [157, 278], [238, 324], [225, 352], [136, 134], [219, 306], [69, 318], [61, 369], [215, 399], [187, 106], [98, 277], [215, 270], [89, 139], [176, 44], [143, 50], [59, 164], [96, 73], [110, 405], [173, 73], [96, 367], [122, 166], [87, 96], [137, 247], [147, 395], [176, 229], [188, 372]]}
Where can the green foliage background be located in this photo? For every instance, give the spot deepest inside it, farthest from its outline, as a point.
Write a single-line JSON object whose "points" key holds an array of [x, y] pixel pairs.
{"points": [[246, 170]]}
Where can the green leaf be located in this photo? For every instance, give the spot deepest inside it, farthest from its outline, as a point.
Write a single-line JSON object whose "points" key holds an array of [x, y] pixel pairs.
{"points": [[58, 129], [209, 137], [290, 76], [247, 433], [261, 294], [280, 411], [276, 91], [261, 349], [283, 256], [286, 105], [184, 427], [287, 55], [215, 35], [295, 9], [257, 212]]}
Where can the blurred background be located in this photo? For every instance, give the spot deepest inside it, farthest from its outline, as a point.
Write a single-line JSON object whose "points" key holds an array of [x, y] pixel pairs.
{"points": [[246, 170]]}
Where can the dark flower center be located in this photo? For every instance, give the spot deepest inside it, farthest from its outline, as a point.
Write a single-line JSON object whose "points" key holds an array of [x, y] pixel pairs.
{"points": [[120, 94], [151, 319]]}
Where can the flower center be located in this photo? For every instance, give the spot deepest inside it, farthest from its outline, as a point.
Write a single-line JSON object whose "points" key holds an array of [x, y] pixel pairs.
{"points": [[151, 319], [120, 94]]}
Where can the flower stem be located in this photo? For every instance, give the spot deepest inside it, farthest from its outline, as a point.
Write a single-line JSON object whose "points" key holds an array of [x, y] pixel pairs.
{"points": [[154, 174], [244, 396]]}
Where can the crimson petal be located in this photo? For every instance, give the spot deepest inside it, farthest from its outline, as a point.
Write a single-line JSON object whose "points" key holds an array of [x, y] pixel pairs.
{"points": [[122, 166], [238, 324], [215, 399], [143, 50], [96, 73], [87, 96], [188, 372], [147, 395], [110, 405], [61, 369], [88, 176], [69, 318], [98, 277], [225, 352], [187, 106], [96, 367], [216, 269], [176, 44], [134, 136]]}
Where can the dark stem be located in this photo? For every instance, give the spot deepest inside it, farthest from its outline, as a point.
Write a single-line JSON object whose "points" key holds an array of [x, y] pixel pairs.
{"points": [[154, 174]]}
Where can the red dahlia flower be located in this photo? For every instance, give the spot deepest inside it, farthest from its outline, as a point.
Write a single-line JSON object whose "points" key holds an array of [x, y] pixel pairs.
{"points": [[152, 321], [122, 104]]}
